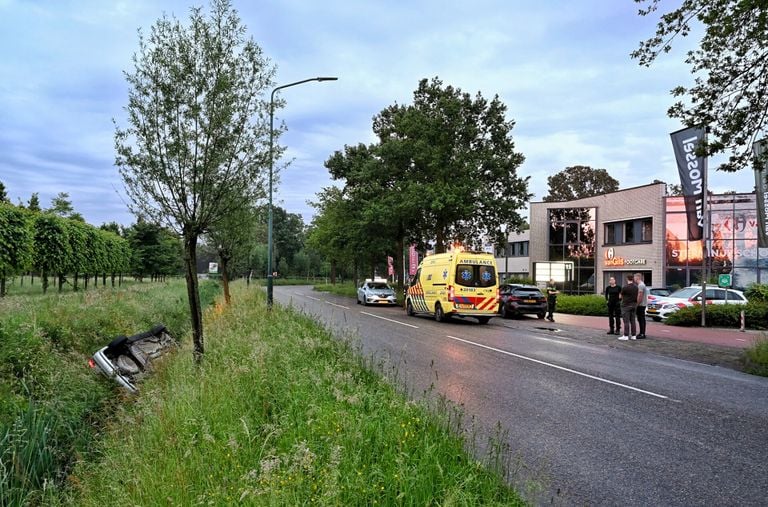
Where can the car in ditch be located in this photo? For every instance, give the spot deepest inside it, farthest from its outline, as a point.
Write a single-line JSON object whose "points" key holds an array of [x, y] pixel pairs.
{"points": [[516, 300], [127, 359], [662, 307], [376, 292]]}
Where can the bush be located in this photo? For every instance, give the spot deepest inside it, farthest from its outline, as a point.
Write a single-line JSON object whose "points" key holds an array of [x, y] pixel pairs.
{"points": [[755, 314], [589, 304], [519, 279], [757, 292], [756, 357]]}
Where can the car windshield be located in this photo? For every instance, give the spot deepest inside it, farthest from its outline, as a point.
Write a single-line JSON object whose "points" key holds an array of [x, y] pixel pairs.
{"points": [[379, 286], [528, 292], [685, 293]]}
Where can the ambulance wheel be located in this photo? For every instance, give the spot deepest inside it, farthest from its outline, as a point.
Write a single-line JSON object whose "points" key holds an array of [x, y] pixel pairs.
{"points": [[439, 315], [483, 320], [409, 309]]}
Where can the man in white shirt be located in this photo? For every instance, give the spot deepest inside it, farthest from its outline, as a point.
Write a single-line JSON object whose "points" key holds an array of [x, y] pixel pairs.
{"points": [[642, 302]]}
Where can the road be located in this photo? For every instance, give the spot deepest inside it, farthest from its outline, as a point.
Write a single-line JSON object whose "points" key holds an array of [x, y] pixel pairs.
{"points": [[591, 424]]}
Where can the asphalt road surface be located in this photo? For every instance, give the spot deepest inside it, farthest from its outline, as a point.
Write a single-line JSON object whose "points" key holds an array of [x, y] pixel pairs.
{"points": [[590, 424]]}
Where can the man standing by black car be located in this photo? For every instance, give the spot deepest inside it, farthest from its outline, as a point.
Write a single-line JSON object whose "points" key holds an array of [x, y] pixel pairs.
{"points": [[612, 293]]}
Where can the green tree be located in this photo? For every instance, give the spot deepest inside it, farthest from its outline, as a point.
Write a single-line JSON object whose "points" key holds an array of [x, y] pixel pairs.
{"points": [[197, 134], [579, 181], [34, 203], [15, 242], [457, 155], [50, 246], [3, 194], [730, 89], [330, 232]]}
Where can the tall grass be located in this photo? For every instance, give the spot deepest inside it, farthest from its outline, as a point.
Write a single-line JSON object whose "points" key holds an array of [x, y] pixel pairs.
{"points": [[279, 413], [347, 289], [51, 404]]}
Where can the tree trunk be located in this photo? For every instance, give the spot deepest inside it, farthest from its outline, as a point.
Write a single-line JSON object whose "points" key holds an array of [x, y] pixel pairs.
{"points": [[333, 272], [61, 282], [2, 285], [193, 294], [440, 240], [86, 277], [44, 276], [113, 280], [75, 286], [399, 267], [225, 277], [104, 279]]}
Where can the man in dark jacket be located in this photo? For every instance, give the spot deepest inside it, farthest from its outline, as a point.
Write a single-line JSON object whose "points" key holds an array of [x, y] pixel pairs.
{"points": [[612, 297], [629, 295]]}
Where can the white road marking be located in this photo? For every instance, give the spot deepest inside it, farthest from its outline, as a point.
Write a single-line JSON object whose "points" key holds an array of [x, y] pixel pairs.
{"points": [[575, 372], [314, 298], [390, 320], [334, 304], [740, 340]]}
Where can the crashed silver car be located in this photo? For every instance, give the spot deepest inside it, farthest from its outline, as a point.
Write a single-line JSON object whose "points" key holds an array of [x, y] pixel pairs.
{"points": [[128, 358], [376, 292]]}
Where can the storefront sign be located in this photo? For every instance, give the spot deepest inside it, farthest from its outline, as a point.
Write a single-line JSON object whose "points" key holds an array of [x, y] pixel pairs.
{"points": [[761, 189], [612, 260]]}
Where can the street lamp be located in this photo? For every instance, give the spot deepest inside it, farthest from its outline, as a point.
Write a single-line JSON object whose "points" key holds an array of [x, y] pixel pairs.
{"points": [[270, 277]]}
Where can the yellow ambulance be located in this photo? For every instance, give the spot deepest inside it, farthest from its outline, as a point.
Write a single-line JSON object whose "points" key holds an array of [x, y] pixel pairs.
{"points": [[459, 283]]}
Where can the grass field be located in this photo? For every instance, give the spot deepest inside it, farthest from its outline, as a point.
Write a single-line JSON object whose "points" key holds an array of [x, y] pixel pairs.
{"points": [[52, 407], [279, 413]]}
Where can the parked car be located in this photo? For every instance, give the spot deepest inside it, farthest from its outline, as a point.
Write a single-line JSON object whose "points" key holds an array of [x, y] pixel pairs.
{"points": [[516, 300], [663, 307], [128, 358], [376, 292], [658, 292]]}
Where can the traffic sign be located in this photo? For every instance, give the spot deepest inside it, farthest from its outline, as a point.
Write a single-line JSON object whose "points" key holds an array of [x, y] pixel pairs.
{"points": [[724, 280]]}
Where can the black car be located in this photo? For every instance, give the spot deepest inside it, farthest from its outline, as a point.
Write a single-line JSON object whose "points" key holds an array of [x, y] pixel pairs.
{"points": [[515, 300]]}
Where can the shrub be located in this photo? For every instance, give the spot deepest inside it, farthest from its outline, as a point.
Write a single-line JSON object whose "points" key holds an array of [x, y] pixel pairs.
{"points": [[521, 280], [589, 304], [755, 314], [757, 292], [756, 357]]}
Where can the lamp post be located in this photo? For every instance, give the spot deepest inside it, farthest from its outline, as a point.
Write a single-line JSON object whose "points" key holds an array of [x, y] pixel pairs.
{"points": [[270, 269]]}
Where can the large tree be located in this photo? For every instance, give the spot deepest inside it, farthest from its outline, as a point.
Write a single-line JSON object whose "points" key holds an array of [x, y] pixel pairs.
{"points": [[730, 88], [457, 156], [198, 129], [579, 181]]}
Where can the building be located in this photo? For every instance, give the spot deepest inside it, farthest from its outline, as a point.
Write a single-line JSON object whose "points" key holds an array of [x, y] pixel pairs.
{"points": [[513, 261], [581, 243]]}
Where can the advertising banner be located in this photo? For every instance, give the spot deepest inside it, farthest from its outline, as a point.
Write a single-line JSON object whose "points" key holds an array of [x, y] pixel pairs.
{"points": [[761, 191], [413, 260], [692, 169], [390, 266]]}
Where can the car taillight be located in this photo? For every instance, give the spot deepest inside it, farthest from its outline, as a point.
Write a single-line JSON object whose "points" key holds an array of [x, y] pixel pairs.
{"points": [[451, 293], [91, 363]]}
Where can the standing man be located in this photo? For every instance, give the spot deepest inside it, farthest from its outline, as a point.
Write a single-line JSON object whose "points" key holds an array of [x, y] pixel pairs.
{"points": [[629, 295], [642, 302], [552, 293], [613, 298]]}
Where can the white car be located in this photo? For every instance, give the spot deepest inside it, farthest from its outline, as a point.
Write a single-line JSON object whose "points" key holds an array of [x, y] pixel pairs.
{"points": [[662, 307], [376, 293]]}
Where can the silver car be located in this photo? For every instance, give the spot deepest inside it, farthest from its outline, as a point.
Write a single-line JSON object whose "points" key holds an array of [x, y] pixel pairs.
{"points": [[376, 293]]}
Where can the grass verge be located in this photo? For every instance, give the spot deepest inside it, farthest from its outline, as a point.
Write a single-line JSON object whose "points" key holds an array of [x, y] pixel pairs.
{"points": [[756, 357], [51, 404], [279, 413], [347, 289]]}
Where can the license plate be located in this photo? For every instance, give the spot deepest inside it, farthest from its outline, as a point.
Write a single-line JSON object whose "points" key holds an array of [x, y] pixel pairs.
{"points": [[530, 301], [465, 307], [383, 301]]}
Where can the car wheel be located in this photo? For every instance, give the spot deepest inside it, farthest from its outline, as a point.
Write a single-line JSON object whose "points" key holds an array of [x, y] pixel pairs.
{"points": [[409, 309], [657, 319], [541, 315], [439, 315], [483, 320], [357, 299], [504, 312]]}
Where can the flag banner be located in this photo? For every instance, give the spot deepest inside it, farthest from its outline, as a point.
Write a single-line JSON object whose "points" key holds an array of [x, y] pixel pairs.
{"points": [[413, 260], [761, 191], [691, 168], [390, 267]]}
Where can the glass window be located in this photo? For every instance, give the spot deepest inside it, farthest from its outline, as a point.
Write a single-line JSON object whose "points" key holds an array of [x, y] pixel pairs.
{"points": [[556, 233], [470, 275], [629, 232], [571, 232], [646, 230], [610, 234], [556, 253]]}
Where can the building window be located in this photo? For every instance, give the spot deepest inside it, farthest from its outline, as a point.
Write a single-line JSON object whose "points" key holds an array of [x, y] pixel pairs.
{"points": [[629, 232]]}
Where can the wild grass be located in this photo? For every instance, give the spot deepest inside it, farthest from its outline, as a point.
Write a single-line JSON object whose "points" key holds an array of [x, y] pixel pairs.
{"points": [[279, 413], [347, 289], [51, 404], [756, 357]]}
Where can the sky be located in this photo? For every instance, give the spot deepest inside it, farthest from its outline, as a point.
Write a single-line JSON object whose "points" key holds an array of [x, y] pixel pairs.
{"points": [[562, 68]]}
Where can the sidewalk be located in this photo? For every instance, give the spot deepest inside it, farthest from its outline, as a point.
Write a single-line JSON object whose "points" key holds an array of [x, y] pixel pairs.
{"points": [[710, 336]]}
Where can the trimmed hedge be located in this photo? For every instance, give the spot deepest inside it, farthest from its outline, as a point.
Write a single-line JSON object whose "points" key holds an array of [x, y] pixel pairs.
{"points": [[588, 304], [756, 316]]}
